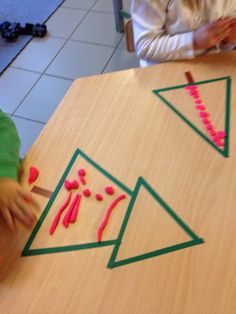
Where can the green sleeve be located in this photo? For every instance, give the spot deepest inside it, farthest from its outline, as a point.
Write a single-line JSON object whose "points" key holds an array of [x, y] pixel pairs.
{"points": [[9, 148]]}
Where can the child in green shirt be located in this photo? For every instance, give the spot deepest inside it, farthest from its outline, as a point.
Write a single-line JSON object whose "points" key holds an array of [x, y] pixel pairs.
{"points": [[13, 204]]}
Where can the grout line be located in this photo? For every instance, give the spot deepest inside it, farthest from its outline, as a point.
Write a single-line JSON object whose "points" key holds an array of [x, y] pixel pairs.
{"points": [[108, 61], [101, 11], [115, 49], [48, 66], [88, 9], [28, 119], [59, 77], [40, 76], [43, 74], [23, 69], [66, 41], [93, 43], [76, 9]]}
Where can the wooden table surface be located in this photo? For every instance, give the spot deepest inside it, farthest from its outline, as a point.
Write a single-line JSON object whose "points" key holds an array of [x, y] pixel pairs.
{"points": [[175, 253]]}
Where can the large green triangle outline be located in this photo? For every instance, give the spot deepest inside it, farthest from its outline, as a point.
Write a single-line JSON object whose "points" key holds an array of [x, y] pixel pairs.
{"points": [[116, 242], [195, 240], [30, 252], [224, 152]]}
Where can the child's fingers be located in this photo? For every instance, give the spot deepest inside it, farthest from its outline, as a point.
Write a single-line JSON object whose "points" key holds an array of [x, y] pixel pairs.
{"points": [[29, 198], [225, 22], [7, 217], [220, 26], [24, 207], [223, 34], [20, 215]]}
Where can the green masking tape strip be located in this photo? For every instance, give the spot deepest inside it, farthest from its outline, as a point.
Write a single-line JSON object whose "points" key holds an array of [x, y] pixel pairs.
{"points": [[166, 250], [49, 204], [195, 83], [124, 224], [67, 248], [77, 153], [194, 238], [224, 152], [227, 116], [107, 174]]}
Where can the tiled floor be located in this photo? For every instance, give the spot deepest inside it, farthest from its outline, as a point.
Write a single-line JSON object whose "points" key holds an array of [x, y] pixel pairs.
{"points": [[81, 41]]}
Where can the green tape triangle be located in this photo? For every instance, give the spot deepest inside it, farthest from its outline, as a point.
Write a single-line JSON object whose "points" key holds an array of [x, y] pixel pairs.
{"points": [[189, 238], [29, 251], [163, 95]]}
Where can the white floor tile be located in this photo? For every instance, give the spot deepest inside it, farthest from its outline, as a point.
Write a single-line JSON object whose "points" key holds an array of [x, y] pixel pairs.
{"points": [[78, 59], [38, 54], [122, 44], [43, 99], [79, 4], [98, 27], [95, 37], [14, 86], [104, 6], [28, 132], [64, 22], [122, 60]]}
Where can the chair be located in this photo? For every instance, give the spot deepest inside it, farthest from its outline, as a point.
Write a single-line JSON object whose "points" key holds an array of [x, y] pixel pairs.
{"points": [[123, 26]]}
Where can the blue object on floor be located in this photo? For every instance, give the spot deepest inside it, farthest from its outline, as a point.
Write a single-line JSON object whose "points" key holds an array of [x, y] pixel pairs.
{"points": [[22, 11]]}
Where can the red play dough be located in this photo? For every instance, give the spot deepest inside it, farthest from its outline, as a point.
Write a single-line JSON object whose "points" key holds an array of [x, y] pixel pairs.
{"points": [[218, 142], [67, 185], [198, 101], [221, 134], [191, 87], [58, 215], [193, 92], [99, 197], [203, 114], [86, 192], [75, 210], [33, 174], [66, 219], [195, 96], [107, 216], [212, 132], [200, 107], [81, 172], [205, 121], [109, 190], [82, 180], [209, 126], [74, 184]]}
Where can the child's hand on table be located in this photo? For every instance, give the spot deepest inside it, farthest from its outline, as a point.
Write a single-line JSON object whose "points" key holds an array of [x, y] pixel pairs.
{"points": [[15, 203], [232, 35], [211, 34]]}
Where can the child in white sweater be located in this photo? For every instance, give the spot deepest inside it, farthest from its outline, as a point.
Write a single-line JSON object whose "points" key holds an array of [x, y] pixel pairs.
{"points": [[182, 29]]}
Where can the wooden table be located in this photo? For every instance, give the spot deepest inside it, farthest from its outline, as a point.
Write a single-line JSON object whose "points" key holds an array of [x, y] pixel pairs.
{"points": [[181, 229]]}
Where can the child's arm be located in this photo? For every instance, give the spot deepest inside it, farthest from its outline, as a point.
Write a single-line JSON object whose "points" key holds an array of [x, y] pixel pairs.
{"points": [[230, 41], [213, 33], [153, 43], [12, 195], [9, 148], [14, 204]]}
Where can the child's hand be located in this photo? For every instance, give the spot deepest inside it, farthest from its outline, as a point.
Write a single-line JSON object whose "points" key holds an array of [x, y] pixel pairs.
{"points": [[232, 36], [15, 203], [211, 34]]}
